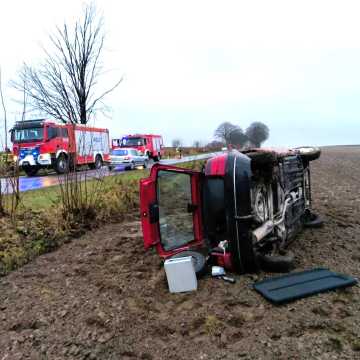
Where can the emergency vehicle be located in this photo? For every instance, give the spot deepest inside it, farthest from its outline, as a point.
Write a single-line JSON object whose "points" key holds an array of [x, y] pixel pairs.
{"points": [[147, 144], [43, 143]]}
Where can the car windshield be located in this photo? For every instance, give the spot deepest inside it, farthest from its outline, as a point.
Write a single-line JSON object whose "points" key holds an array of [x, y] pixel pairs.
{"points": [[30, 134], [116, 142], [133, 141], [119, 152]]}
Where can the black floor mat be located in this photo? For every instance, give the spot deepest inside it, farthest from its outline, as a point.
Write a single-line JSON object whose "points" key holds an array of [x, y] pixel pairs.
{"points": [[283, 289]]}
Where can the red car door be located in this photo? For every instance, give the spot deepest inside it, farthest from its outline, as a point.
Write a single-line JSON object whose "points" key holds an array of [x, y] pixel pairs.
{"points": [[170, 205]]}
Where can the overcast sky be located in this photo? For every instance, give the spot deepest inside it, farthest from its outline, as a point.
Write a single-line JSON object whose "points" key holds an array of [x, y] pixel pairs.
{"points": [[190, 65]]}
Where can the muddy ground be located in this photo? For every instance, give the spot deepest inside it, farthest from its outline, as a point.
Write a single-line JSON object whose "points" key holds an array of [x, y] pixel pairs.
{"points": [[103, 297]]}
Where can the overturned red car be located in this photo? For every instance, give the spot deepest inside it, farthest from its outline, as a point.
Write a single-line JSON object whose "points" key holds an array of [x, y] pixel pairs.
{"points": [[240, 212]]}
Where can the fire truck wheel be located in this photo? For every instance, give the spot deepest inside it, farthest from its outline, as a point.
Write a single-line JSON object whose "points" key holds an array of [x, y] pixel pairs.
{"points": [[98, 162], [62, 164], [31, 170]]}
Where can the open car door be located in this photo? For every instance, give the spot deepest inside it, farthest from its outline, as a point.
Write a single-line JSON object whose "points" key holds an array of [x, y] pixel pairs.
{"points": [[170, 205]]}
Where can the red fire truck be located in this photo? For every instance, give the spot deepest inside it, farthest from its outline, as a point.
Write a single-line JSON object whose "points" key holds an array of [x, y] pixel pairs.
{"points": [[43, 143], [147, 144]]}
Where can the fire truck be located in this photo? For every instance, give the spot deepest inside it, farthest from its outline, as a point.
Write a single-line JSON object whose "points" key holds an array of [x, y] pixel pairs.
{"points": [[43, 143], [147, 144]]}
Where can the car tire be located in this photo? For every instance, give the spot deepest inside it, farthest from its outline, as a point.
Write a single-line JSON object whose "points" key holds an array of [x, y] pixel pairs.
{"points": [[132, 166], [31, 170], [276, 263], [313, 220], [261, 160], [110, 168], [308, 153], [199, 260], [62, 164]]}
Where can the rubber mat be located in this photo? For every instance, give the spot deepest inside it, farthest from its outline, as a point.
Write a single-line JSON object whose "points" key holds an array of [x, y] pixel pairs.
{"points": [[283, 289]]}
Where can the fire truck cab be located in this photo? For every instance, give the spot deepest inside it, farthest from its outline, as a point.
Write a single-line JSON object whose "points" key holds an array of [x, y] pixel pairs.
{"points": [[43, 143], [146, 144]]}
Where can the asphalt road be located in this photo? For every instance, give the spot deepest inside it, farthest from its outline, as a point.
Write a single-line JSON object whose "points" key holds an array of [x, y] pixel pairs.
{"points": [[42, 181]]}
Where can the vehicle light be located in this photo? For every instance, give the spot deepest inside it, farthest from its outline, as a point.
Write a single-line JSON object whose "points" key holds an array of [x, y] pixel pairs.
{"points": [[15, 158], [126, 158]]}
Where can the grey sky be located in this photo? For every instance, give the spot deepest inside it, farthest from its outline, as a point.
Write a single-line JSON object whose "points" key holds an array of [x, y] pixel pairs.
{"points": [[189, 65]]}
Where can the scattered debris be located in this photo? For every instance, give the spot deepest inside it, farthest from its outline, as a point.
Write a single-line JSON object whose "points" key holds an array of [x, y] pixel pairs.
{"points": [[180, 274], [283, 289]]}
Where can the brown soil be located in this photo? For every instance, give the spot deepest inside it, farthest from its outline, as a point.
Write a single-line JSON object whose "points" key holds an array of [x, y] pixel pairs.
{"points": [[102, 297]]}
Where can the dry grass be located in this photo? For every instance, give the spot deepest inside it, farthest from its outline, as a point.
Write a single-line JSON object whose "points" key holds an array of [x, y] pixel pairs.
{"points": [[47, 218]]}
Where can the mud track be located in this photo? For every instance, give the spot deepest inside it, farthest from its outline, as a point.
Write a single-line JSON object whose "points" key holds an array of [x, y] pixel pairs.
{"points": [[102, 297]]}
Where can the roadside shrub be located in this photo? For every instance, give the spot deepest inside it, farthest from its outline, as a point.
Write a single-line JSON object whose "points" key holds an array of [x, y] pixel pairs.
{"points": [[32, 234], [9, 186], [79, 199], [120, 199]]}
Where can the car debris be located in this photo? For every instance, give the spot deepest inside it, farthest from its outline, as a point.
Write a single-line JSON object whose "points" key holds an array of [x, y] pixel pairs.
{"points": [[290, 287], [217, 271], [228, 279], [180, 274], [241, 211]]}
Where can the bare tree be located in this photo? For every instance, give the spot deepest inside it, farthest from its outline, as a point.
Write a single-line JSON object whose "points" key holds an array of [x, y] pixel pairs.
{"points": [[4, 110], [64, 85], [176, 143], [224, 131], [257, 133]]}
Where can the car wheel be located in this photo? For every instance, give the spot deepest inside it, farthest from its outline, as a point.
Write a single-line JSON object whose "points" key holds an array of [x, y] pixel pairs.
{"points": [[132, 166], [31, 170], [276, 263], [198, 257], [110, 168], [62, 164], [309, 153], [261, 159]]}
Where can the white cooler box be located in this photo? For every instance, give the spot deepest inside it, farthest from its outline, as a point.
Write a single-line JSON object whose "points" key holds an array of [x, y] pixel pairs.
{"points": [[180, 274]]}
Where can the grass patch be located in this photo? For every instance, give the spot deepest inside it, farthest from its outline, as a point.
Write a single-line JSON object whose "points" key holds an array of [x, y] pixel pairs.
{"points": [[41, 225], [213, 325]]}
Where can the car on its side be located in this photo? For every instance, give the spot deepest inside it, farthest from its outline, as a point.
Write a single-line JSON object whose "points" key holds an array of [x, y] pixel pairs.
{"points": [[130, 158], [240, 212]]}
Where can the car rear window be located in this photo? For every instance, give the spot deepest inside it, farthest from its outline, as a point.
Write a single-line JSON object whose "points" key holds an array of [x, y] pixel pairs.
{"points": [[119, 152]]}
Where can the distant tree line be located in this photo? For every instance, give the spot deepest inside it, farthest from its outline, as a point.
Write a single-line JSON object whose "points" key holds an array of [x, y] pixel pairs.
{"points": [[230, 134]]}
